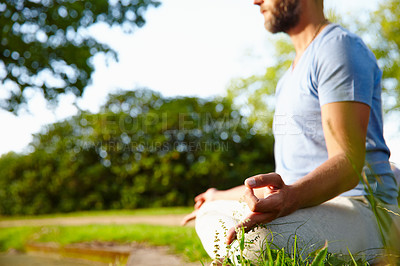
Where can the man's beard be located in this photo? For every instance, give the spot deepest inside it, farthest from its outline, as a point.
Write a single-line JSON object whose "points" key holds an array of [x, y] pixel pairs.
{"points": [[285, 15]]}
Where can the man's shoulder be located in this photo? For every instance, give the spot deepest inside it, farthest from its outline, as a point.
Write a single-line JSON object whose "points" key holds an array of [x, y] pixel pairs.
{"points": [[337, 42], [336, 35]]}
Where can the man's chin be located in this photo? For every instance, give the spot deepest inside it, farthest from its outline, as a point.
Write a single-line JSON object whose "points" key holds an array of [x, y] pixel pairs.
{"points": [[274, 29], [270, 28]]}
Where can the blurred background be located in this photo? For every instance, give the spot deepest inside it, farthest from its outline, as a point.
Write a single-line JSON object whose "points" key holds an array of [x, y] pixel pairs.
{"points": [[129, 104], [116, 113]]}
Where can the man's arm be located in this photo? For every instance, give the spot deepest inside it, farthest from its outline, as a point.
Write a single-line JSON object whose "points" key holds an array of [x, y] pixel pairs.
{"points": [[235, 193], [345, 128]]}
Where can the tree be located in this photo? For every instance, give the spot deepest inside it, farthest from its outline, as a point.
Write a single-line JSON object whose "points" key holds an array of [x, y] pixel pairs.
{"points": [[383, 34], [141, 150], [42, 38], [254, 94]]}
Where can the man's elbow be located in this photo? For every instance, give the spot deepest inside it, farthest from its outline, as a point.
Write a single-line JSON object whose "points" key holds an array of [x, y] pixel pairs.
{"points": [[356, 165], [354, 181]]}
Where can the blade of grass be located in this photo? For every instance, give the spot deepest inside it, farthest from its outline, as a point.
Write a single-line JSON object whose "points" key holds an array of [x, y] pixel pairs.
{"points": [[277, 261], [352, 258], [294, 250], [321, 255], [269, 254]]}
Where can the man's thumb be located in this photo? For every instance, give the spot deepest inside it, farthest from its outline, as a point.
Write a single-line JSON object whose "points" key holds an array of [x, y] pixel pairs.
{"points": [[272, 180]]}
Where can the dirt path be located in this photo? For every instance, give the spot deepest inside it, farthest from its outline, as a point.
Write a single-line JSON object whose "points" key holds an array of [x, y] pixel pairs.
{"points": [[172, 219], [141, 255]]}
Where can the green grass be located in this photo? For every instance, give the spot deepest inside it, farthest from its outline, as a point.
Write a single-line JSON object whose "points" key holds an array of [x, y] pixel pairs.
{"points": [[181, 240], [137, 212], [16, 237], [274, 256]]}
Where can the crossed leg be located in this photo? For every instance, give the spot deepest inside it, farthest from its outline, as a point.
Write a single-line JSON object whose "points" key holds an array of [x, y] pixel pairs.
{"points": [[346, 223]]}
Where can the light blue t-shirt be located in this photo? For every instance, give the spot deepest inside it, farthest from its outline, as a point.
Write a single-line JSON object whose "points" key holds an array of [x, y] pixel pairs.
{"points": [[337, 66]]}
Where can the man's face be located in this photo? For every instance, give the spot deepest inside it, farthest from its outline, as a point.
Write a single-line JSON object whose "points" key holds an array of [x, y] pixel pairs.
{"points": [[279, 15]]}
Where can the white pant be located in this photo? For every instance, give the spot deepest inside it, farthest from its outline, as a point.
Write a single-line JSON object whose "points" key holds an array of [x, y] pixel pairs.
{"points": [[346, 223]]}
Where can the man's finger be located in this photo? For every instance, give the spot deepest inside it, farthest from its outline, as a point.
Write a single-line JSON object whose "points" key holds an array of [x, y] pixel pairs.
{"points": [[249, 223], [271, 180], [231, 235], [199, 197], [270, 203], [251, 199], [189, 217], [198, 204]]}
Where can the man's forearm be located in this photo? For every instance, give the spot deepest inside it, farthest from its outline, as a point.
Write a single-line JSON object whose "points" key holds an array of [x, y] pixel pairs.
{"points": [[329, 180]]}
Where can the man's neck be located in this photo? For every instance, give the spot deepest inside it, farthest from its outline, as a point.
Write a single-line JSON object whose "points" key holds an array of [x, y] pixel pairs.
{"points": [[303, 35], [310, 24]]}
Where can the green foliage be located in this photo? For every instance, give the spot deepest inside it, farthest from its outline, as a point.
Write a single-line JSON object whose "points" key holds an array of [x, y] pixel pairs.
{"points": [[48, 36], [141, 150], [383, 28], [254, 94]]}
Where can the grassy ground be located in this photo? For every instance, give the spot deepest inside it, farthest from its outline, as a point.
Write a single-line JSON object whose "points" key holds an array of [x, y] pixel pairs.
{"points": [[181, 240]]}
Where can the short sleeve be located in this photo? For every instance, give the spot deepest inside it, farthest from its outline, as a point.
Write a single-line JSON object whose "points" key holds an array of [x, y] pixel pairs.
{"points": [[345, 70]]}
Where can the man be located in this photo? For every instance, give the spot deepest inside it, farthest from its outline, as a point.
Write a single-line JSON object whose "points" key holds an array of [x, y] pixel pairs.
{"points": [[328, 130]]}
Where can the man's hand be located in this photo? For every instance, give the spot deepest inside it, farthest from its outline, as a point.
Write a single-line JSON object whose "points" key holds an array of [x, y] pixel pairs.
{"points": [[199, 200], [278, 201], [203, 197]]}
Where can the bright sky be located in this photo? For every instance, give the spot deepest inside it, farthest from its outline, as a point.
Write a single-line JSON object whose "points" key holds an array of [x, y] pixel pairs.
{"points": [[187, 47]]}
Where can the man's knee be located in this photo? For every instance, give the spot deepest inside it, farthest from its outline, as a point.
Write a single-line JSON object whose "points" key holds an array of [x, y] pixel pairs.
{"points": [[396, 172]]}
